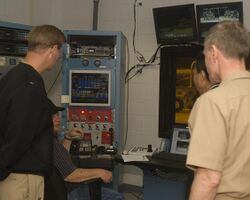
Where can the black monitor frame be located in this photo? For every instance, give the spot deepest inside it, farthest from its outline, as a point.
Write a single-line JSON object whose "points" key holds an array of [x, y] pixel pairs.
{"points": [[187, 9], [167, 95], [200, 9]]}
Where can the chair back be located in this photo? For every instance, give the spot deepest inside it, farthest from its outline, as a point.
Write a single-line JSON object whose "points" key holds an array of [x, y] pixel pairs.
{"points": [[55, 188]]}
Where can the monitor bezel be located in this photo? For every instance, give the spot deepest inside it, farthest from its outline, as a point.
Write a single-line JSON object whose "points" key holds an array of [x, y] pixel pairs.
{"points": [[238, 5], [179, 40], [90, 72], [167, 87]]}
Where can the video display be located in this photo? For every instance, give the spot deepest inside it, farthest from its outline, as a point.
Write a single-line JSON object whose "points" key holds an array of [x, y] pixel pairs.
{"points": [[186, 92], [90, 87], [175, 24], [210, 14]]}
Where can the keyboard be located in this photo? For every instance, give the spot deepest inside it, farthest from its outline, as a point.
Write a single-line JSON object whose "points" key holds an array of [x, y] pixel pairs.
{"points": [[163, 155], [141, 150]]}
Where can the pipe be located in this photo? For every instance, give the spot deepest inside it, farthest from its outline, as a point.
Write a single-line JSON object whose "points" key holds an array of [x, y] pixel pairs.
{"points": [[95, 14]]}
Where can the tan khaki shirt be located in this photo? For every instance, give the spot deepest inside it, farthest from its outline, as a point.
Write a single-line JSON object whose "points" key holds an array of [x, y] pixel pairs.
{"points": [[220, 135]]}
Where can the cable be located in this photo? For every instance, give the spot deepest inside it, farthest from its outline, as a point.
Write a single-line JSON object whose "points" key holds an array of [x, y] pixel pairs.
{"points": [[54, 82], [153, 57], [138, 55], [142, 65], [139, 68], [137, 72], [127, 73]]}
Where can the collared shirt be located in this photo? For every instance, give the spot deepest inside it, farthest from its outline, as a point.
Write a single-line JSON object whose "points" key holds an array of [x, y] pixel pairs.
{"points": [[220, 130], [26, 129], [214, 86], [62, 160]]}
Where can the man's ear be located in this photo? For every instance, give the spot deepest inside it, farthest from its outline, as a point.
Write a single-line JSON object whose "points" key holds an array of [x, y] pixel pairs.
{"points": [[55, 46], [214, 52], [52, 50], [203, 75]]}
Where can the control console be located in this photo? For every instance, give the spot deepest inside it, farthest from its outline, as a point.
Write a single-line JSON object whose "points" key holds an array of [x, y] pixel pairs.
{"points": [[97, 124]]}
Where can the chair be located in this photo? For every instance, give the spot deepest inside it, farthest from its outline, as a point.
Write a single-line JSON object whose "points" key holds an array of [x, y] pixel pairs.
{"points": [[95, 189], [55, 187]]}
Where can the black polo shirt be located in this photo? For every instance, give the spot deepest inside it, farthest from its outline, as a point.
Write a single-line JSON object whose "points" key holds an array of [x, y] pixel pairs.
{"points": [[26, 128], [56, 188]]}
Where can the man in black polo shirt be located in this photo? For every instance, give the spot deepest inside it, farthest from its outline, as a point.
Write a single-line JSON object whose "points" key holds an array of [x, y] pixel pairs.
{"points": [[26, 129], [70, 173]]}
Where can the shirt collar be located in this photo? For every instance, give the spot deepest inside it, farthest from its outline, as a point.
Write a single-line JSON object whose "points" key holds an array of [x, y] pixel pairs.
{"points": [[241, 74], [214, 86]]}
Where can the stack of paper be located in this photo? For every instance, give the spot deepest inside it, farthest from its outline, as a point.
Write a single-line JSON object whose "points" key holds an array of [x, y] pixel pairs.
{"points": [[130, 158]]}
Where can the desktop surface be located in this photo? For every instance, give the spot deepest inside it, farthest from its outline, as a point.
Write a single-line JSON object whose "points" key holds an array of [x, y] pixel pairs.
{"points": [[94, 162], [161, 160], [165, 174], [163, 155]]}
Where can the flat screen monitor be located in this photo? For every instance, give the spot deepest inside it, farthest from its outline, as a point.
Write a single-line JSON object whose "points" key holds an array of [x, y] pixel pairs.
{"points": [[185, 91], [175, 24], [177, 91], [210, 14], [90, 87]]}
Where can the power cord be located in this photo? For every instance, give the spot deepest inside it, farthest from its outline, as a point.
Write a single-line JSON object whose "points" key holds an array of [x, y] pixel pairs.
{"points": [[54, 82], [138, 70], [138, 54]]}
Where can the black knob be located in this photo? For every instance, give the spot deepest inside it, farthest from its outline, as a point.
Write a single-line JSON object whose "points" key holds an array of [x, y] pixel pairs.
{"points": [[85, 62], [97, 63], [150, 148]]}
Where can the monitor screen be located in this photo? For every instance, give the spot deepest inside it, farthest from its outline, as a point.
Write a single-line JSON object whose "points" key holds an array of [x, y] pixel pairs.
{"points": [[210, 14], [90, 87], [185, 91], [177, 91], [175, 24]]}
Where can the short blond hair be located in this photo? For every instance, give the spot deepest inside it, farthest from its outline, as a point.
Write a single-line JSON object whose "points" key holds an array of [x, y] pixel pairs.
{"points": [[45, 36], [231, 38]]}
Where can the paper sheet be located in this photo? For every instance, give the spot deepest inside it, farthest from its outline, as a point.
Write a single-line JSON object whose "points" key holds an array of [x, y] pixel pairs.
{"points": [[130, 158]]}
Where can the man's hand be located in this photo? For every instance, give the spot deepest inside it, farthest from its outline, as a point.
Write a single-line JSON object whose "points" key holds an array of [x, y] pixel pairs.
{"points": [[75, 132], [80, 175], [106, 176]]}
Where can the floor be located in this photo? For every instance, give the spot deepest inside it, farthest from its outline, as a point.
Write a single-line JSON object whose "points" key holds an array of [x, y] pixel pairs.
{"points": [[132, 192], [132, 196]]}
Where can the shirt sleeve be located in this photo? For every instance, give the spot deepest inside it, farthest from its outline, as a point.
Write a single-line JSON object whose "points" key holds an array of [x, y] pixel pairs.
{"points": [[62, 160], [208, 135]]}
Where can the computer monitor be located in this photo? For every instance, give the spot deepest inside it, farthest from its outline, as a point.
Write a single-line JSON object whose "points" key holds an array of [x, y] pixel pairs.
{"points": [[175, 24], [177, 91], [90, 87], [210, 14]]}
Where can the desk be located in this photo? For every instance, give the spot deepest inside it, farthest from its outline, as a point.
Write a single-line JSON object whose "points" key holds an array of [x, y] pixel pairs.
{"points": [[163, 179], [104, 163]]}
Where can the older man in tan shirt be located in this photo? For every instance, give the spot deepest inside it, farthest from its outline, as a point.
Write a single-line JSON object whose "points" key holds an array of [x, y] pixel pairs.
{"points": [[219, 122]]}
